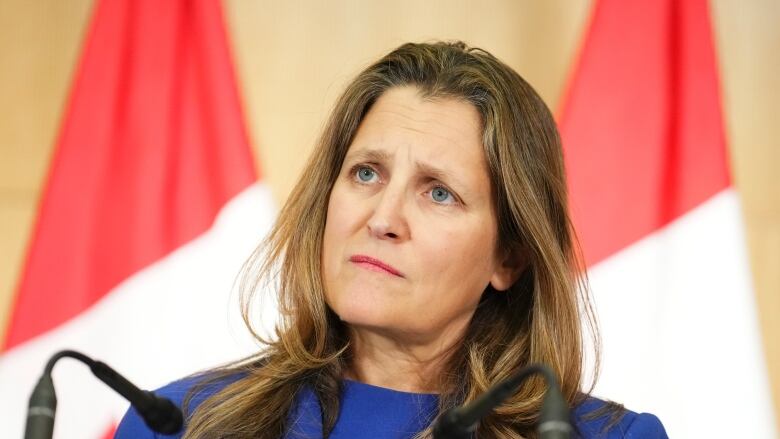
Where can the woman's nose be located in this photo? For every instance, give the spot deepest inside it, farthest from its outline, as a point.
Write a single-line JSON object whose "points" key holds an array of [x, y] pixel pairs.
{"points": [[388, 221]]}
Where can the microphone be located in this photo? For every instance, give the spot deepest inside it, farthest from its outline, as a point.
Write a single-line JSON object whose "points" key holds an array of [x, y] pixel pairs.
{"points": [[160, 414], [461, 422]]}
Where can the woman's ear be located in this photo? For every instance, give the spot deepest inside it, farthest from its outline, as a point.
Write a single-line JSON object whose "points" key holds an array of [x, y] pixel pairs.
{"points": [[510, 267]]}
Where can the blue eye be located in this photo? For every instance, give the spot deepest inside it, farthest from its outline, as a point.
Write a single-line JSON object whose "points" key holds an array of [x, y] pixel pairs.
{"points": [[440, 195], [365, 174]]}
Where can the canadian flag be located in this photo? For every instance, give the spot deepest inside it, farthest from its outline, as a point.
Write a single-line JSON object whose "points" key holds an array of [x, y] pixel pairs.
{"points": [[660, 222], [151, 207]]}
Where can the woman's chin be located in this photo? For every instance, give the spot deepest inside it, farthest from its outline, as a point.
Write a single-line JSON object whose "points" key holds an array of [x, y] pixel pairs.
{"points": [[365, 315]]}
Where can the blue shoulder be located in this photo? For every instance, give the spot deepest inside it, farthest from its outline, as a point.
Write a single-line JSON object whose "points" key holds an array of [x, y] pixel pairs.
{"points": [[591, 422], [133, 426]]}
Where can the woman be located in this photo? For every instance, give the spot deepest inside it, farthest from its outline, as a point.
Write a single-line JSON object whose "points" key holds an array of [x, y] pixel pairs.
{"points": [[425, 254]]}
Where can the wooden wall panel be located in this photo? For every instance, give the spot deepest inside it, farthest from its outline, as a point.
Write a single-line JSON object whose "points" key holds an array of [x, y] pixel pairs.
{"points": [[39, 43], [748, 40]]}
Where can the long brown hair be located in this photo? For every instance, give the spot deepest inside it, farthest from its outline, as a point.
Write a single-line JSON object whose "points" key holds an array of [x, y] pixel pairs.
{"points": [[537, 320]]}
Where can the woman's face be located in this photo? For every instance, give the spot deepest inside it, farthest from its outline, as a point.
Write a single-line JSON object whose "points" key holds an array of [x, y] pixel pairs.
{"points": [[410, 237]]}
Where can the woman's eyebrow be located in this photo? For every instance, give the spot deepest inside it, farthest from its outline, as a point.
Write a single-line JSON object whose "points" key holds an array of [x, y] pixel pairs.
{"points": [[369, 155], [427, 169], [440, 174]]}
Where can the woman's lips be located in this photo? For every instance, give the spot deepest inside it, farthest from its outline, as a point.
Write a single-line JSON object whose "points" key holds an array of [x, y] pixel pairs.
{"points": [[373, 264]]}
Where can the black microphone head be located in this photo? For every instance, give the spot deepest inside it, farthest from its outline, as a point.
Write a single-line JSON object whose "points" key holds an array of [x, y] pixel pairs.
{"points": [[162, 416], [448, 426], [41, 410], [554, 416], [554, 430]]}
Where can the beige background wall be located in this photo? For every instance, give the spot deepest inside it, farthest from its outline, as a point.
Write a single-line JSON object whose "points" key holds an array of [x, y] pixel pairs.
{"points": [[294, 57]]}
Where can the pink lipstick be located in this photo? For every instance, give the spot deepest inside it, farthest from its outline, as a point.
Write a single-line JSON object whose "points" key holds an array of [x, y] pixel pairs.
{"points": [[373, 264]]}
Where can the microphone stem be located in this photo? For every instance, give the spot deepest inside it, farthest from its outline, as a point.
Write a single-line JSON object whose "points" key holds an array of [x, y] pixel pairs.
{"points": [[485, 403], [66, 353], [461, 422], [160, 414]]}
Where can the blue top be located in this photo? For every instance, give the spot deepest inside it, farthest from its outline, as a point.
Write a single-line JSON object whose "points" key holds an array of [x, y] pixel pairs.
{"points": [[375, 412]]}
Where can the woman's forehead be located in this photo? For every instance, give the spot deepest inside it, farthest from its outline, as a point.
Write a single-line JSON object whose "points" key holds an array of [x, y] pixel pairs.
{"points": [[405, 108], [437, 128], [438, 137]]}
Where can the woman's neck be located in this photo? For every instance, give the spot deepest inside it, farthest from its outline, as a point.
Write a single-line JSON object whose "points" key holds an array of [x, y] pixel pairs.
{"points": [[384, 361]]}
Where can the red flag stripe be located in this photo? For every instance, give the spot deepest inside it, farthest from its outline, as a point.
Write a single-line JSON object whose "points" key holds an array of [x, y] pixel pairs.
{"points": [[151, 147], [641, 124], [110, 432]]}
